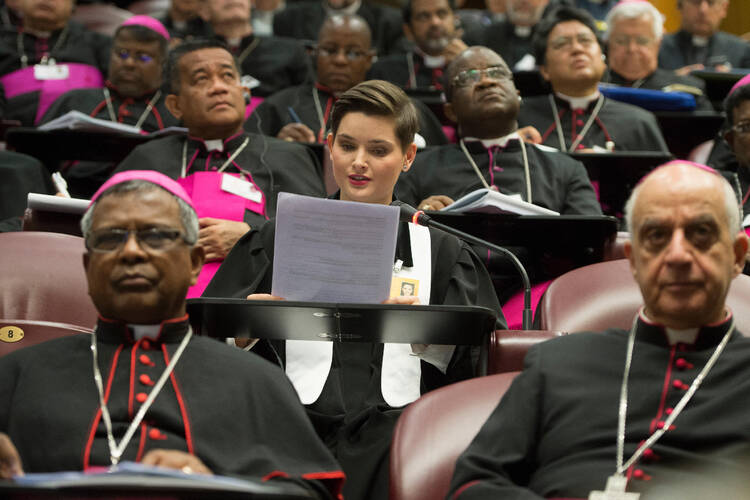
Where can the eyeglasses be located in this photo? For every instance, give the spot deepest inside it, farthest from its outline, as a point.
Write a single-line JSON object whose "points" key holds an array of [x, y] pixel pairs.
{"points": [[140, 57], [351, 54], [471, 76], [566, 42], [625, 40], [111, 240], [711, 3], [742, 128]]}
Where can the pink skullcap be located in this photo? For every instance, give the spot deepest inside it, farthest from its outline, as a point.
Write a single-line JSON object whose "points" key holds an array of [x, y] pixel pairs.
{"points": [[147, 22], [681, 162], [745, 80], [151, 176]]}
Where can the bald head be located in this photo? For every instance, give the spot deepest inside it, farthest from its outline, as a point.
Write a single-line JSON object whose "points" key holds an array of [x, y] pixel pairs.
{"points": [[351, 23]]}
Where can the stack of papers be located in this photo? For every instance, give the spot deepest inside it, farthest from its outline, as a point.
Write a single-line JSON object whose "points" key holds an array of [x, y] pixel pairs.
{"points": [[491, 201], [75, 120]]}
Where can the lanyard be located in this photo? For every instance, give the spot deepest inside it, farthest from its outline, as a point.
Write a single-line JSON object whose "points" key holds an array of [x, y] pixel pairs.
{"points": [[141, 119], [584, 130], [412, 74], [116, 450], [527, 174], [45, 59], [223, 167], [622, 415], [319, 111]]}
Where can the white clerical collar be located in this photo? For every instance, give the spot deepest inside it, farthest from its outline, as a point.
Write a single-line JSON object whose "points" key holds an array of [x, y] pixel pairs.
{"points": [[579, 102], [234, 42], [700, 41], [522, 31], [140, 331], [214, 145], [499, 141], [675, 336], [180, 25], [349, 9], [431, 61], [38, 34]]}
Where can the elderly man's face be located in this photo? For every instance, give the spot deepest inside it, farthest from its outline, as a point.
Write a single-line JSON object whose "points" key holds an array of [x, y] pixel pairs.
{"points": [[682, 253], [432, 25], [210, 100], [740, 141], [343, 55], [703, 17], [135, 283], [633, 49], [134, 66], [573, 57]]}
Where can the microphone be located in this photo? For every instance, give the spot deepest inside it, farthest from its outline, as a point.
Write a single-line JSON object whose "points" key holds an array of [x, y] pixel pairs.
{"points": [[411, 214]]}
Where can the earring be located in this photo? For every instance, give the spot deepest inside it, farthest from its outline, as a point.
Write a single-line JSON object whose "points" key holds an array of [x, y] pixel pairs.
{"points": [[405, 167]]}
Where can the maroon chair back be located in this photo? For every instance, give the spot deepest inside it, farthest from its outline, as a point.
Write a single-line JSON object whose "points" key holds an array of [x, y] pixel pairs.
{"points": [[434, 430], [604, 295], [18, 333], [43, 279], [508, 348]]}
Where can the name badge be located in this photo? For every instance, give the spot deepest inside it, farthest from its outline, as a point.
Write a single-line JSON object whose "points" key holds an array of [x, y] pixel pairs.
{"points": [[240, 187], [51, 71]]}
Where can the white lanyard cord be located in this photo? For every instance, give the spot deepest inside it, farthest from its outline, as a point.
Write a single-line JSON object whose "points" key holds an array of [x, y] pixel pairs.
{"points": [[223, 167], [319, 111], [141, 119], [584, 130], [622, 415], [412, 73], [526, 171], [115, 450], [47, 57]]}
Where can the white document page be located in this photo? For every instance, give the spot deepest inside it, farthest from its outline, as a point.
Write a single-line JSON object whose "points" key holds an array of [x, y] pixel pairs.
{"points": [[333, 251]]}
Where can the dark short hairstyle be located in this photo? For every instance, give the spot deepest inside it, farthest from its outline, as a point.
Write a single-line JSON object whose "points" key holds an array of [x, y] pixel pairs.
{"points": [[378, 98], [172, 65], [144, 35], [734, 100], [554, 17], [406, 10]]}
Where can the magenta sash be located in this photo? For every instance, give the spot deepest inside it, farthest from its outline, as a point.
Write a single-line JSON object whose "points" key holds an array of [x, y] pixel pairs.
{"points": [[209, 200], [22, 81], [254, 101]]}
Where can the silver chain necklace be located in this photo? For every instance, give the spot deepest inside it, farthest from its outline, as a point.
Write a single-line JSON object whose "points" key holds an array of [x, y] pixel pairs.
{"points": [[527, 173], [46, 59], [584, 130], [141, 119], [223, 167]]}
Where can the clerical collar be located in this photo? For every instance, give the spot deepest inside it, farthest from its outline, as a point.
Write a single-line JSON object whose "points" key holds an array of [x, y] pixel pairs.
{"points": [[141, 331], [697, 338], [522, 31], [180, 25], [499, 141], [214, 145], [430, 61], [700, 41], [578, 102], [229, 144], [116, 332], [349, 9], [38, 34], [234, 42]]}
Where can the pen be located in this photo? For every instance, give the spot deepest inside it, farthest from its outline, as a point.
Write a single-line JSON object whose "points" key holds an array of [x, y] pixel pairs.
{"points": [[60, 184], [294, 116]]}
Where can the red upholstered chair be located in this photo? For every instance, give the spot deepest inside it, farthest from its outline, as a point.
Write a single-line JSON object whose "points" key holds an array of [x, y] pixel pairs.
{"points": [[507, 348], [604, 295], [42, 279], [435, 430]]}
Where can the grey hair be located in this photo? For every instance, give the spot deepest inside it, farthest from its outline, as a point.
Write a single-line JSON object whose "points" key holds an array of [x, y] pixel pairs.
{"points": [[634, 10], [187, 215], [731, 205]]}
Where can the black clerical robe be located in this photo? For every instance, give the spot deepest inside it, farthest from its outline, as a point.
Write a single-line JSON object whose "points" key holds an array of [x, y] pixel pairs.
{"points": [[677, 50], [276, 62], [303, 20], [196, 27], [629, 127], [504, 38], [219, 404], [77, 45], [558, 182], [275, 165], [85, 177], [408, 71], [21, 175], [351, 415], [273, 113], [664, 80], [553, 435]]}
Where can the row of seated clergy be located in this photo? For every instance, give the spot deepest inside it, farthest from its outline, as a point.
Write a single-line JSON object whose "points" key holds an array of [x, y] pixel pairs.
{"points": [[343, 56], [355, 392]]}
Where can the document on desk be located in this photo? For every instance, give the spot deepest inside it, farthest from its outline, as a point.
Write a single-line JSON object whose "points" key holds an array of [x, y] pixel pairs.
{"points": [[332, 250]]}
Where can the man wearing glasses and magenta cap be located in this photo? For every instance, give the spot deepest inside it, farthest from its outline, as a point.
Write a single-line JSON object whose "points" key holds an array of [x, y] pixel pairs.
{"points": [[142, 387], [737, 136]]}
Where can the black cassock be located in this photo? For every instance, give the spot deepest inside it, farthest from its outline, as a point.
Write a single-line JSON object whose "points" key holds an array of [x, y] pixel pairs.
{"points": [[677, 50], [291, 167], [629, 127], [79, 45], [237, 413], [553, 435], [276, 62], [85, 177], [662, 79], [351, 415], [408, 71], [557, 181], [510, 42], [196, 27], [273, 113]]}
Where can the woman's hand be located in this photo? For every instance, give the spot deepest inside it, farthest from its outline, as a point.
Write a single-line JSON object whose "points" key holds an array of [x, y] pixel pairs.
{"points": [[402, 300], [435, 202]]}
